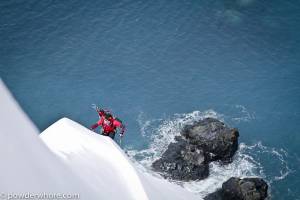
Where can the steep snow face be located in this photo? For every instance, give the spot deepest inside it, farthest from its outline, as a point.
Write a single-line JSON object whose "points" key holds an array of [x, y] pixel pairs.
{"points": [[96, 159], [27, 165], [103, 166]]}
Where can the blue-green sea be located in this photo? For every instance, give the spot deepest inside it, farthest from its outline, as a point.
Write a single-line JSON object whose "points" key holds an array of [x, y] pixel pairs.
{"points": [[159, 65]]}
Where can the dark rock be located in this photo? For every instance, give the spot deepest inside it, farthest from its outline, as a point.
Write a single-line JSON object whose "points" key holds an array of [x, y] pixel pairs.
{"points": [[204, 141], [182, 162], [217, 140], [241, 189]]}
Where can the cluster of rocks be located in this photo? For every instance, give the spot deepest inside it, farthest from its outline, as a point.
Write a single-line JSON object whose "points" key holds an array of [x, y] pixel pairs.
{"points": [[241, 189], [199, 144]]}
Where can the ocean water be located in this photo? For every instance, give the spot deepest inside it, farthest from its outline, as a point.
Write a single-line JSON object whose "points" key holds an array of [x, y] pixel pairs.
{"points": [[159, 65]]}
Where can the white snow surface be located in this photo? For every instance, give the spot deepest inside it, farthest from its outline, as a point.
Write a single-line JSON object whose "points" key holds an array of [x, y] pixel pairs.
{"points": [[103, 166], [27, 164], [70, 159]]}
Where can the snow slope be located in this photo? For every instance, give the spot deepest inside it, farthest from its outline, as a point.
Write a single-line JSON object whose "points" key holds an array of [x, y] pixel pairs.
{"points": [[100, 162], [70, 159], [27, 165]]}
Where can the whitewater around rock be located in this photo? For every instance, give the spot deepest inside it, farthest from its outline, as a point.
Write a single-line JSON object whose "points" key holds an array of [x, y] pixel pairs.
{"points": [[198, 144]]}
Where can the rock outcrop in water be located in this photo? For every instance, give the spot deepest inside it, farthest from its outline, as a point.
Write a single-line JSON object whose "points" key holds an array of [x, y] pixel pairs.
{"points": [[204, 141], [183, 161], [241, 189]]}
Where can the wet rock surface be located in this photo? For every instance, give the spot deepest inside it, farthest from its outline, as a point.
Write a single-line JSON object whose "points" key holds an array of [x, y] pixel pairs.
{"points": [[198, 144], [241, 189], [182, 161]]}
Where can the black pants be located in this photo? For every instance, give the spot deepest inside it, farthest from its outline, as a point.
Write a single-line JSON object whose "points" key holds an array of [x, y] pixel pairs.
{"points": [[111, 135]]}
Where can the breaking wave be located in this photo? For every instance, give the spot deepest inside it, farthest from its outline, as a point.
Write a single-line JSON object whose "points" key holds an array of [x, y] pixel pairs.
{"points": [[249, 160]]}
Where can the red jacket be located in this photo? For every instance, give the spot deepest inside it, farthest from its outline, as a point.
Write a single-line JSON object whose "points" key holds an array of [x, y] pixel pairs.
{"points": [[109, 125]]}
